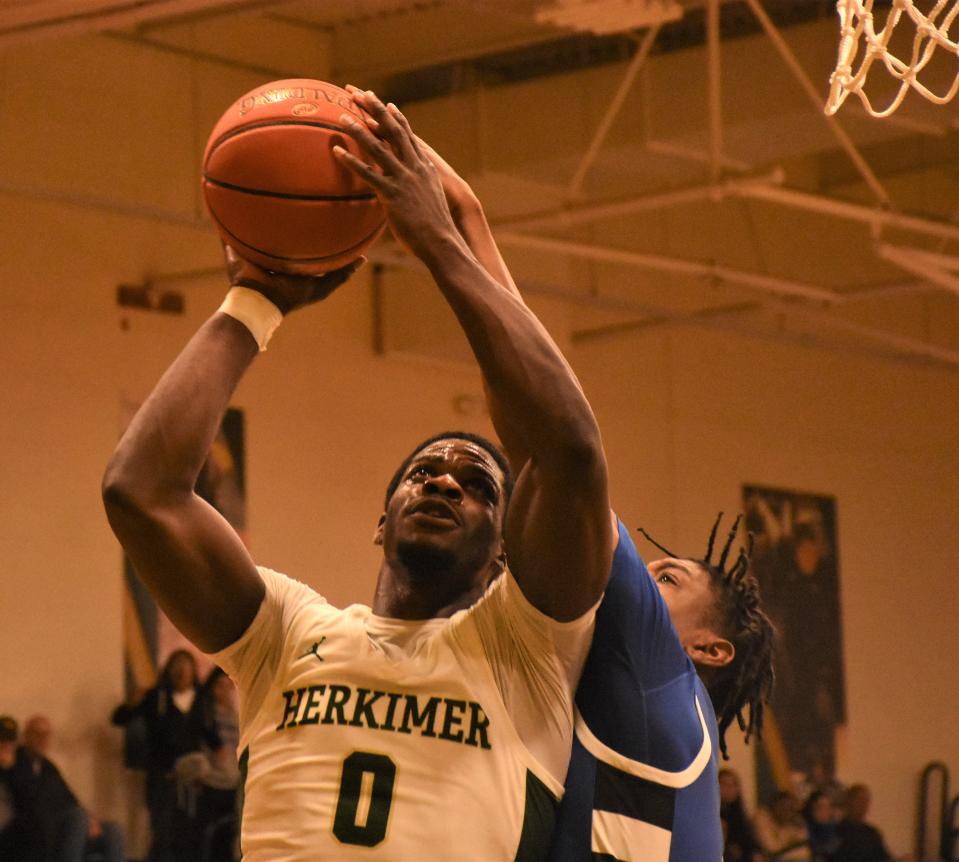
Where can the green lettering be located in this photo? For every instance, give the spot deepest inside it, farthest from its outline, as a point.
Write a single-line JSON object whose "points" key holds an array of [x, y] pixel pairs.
{"points": [[365, 707], [390, 711], [291, 709], [311, 712], [451, 720], [478, 726], [339, 695], [427, 716]]}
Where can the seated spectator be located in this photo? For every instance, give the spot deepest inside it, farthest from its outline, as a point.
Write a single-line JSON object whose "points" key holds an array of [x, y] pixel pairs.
{"points": [[821, 823], [822, 779], [859, 841], [54, 826], [740, 841], [172, 713], [781, 830]]}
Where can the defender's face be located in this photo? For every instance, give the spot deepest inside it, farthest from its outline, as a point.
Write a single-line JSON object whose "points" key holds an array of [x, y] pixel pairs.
{"points": [[688, 592], [451, 498]]}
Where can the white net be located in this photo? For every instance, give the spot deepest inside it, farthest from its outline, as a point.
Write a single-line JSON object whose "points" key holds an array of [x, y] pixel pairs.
{"points": [[861, 46]]}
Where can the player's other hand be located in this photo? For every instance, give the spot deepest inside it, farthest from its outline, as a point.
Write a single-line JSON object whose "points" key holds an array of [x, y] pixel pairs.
{"points": [[459, 194], [287, 292], [402, 174]]}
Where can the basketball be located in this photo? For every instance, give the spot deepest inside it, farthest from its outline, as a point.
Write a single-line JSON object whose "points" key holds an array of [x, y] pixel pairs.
{"points": [[273, 187]]}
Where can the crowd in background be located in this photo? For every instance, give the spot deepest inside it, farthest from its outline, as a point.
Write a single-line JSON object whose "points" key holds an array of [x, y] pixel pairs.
{"points": [[182, 734], [827, 823]]}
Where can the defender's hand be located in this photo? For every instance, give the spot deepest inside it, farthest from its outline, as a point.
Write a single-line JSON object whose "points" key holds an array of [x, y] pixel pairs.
{"points": [[287, 292], [404, 178]]}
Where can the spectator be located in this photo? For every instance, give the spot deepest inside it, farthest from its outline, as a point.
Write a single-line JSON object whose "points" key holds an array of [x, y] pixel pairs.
{"points": [[173, 715], [208, 779], [781, 830], [10, 850], [859, 841], [740, 840], [53, 825], [223, 726], [821, 778], [219, 802], [823, 828]]}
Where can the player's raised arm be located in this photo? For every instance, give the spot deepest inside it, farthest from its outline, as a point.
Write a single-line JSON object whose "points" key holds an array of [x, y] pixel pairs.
{"points": [[470, 220], [189, 557], [558, 529]]}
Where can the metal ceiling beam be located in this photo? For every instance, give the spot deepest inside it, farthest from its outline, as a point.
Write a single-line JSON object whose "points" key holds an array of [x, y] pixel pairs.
{"points": [[871, 216], [269, 73], [736, 309], [106, 16], [612, 111], [934, 268], [681, 266], [586, 212], [714, 83], [721, 317], [845, 141]]}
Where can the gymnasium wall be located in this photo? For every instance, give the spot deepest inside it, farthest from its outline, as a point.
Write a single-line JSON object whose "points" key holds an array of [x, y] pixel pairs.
{"points": [[99, 152]]}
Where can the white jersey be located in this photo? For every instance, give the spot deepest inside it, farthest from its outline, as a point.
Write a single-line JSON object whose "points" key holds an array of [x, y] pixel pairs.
{"points": [[365, 737]]}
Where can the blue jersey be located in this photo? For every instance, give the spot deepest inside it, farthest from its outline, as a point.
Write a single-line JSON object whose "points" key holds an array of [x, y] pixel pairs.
{"points": [[642, 783]]}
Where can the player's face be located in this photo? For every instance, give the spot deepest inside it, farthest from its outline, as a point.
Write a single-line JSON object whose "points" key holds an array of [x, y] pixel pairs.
{"points": [[450, 499], [688, 592]]}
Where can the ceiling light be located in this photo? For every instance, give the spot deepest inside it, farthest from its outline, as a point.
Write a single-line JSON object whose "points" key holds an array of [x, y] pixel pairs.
{"points": [[609, 16]]}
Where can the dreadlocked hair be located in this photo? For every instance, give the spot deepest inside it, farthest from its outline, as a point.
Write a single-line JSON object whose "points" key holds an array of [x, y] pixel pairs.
{"points": [[740, 689]]}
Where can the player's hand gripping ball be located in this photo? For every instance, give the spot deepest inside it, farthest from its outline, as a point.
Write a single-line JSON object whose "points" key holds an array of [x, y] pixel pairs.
{"points": [[273, 188]]}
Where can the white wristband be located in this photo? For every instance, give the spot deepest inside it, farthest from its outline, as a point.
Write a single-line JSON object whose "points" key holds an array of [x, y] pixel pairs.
{"points": [[254, 311]]}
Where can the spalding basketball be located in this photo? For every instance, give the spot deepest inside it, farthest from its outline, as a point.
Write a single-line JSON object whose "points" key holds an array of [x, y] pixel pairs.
{"points": [[273, 187]]}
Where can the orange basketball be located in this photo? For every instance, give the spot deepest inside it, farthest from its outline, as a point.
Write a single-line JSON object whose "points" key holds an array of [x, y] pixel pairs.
{"points": [[273, 188]]}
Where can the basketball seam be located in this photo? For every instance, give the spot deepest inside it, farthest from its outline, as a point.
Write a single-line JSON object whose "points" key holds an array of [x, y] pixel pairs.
{"points": [[264, 123], [293, 196], [323, 257]]}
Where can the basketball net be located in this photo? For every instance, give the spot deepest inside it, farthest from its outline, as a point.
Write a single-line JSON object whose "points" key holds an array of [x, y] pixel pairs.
{"points": [[860, 40]]}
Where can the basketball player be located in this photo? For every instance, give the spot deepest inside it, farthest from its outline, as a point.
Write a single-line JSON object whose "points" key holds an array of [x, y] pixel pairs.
{"points": [[437, 724], [671, 643]]}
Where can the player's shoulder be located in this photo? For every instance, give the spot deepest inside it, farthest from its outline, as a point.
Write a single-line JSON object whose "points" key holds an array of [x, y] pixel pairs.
{"points": [[630, 587], [625, 554], [291, 602], [280, 585]]}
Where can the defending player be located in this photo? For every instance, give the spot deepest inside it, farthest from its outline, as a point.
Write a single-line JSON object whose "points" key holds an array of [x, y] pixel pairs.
{"points": [[670, 644], [674, 647], [438, 724]]}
